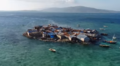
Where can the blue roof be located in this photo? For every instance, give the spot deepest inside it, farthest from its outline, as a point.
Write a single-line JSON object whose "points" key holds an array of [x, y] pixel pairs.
{"points": [[51, 33], [30, 31]]}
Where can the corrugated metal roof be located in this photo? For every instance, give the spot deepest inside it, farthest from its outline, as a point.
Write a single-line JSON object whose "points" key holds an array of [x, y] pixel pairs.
{"points": [[81, 36]]}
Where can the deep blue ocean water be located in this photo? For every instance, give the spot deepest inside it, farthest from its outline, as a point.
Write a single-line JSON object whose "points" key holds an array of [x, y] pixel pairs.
{"points": [[17, 50]]}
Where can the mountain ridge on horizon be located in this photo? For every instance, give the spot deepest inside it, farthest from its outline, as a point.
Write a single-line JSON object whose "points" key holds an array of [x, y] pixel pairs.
{"points": [[78, 9]]}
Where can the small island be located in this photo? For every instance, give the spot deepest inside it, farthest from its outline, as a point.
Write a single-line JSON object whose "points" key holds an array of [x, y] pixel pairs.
{"points": [[55, 33]]}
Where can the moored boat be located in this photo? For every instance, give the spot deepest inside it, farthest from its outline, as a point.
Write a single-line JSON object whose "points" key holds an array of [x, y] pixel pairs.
{"points": [[104, 26], [106, 46], [110, 42], [101, 28], [104, 34]]}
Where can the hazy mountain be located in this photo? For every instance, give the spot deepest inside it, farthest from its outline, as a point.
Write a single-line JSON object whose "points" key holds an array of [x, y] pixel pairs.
{"points": [[78, 9]]}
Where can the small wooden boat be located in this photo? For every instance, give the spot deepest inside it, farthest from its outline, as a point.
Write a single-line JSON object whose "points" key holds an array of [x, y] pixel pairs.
{"points": [[110, 42], [86, 43], [104, 26], [101, 28], [104, 34], [106, 46], [52, 50]]}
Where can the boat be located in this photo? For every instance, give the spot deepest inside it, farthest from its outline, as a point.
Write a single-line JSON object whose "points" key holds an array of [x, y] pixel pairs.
{"points": [[101, 28], [104, 34], [114, 37], [110, 42], [104, 26], [106, 46], [52, 50]]}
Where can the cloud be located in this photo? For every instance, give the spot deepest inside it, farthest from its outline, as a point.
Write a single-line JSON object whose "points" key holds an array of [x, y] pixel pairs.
{"points": [[34, 4], [19, 5], [70, 1], [53, 3], [50, 1], [41, 4], [44, 1]]}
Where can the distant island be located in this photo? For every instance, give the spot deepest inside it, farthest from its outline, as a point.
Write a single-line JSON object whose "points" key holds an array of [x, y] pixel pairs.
{"points": [[78, 9]]}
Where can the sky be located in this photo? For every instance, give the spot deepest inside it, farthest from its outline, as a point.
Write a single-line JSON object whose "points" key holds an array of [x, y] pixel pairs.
{"points": [[15, 5]]}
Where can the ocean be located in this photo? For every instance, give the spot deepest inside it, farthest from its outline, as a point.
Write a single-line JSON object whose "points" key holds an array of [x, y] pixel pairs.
{"points": [[17, 50]]}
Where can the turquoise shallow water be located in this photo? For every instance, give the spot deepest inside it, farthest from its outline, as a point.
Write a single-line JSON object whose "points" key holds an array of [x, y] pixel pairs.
{"points": [[16, 50]]}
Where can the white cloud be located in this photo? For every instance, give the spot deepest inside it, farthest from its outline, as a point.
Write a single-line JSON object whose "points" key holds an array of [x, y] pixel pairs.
{"points": [[70, 1], [41, 4], [33, 4]]}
